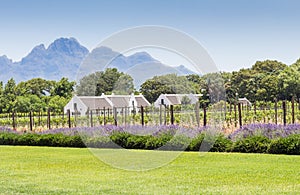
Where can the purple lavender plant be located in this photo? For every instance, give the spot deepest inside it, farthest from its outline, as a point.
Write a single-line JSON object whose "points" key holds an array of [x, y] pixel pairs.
{"points": [[107, 130], [6, 130], [271, 131]]}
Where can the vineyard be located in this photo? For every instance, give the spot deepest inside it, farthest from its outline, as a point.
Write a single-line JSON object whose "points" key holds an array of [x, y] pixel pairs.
{"points": [[230, 116]]}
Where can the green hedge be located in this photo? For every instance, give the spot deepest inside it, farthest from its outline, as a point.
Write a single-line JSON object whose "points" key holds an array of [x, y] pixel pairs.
{"points": [[287, 145], [30, 139], [219, 143], [253, 144]]}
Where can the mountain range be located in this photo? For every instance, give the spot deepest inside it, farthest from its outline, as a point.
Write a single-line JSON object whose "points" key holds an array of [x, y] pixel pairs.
{"points": [[66, 57]]}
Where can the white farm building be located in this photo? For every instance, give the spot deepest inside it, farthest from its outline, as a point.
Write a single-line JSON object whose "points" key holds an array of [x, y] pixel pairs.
{"points": [[84, 104], [176, 99]]}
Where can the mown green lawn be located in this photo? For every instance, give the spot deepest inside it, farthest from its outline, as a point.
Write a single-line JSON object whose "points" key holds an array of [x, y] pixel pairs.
{"points": [[43, 170]]}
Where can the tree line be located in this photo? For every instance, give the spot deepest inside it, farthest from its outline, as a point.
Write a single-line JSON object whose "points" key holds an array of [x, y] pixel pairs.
{"points": [[264, 81], [35, 95]]}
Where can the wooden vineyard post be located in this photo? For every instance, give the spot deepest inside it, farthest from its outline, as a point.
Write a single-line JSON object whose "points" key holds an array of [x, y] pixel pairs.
{"points": [[172, 114], [165, 115], [284, 112], [14, 120], [204, 116], [108, 113], [40, 118], [115, 113], [30, 121], [264, 110], [160, 114], [69, 117], [125, 117], [276, 111], [230, 112], [240, 114], [225, 111], [197, 113], [104, 120], [235, 115], [293, 109], [91, 118], [142, 115], [48, 119]]}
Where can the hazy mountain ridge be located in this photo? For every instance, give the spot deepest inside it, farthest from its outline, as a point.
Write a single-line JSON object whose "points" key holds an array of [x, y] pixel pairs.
{"points": [[64, 56]]}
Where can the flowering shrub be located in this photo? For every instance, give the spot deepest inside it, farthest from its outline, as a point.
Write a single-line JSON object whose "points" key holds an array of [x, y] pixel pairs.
{"points": [[271, 131], [255, 138], [6, 130]]}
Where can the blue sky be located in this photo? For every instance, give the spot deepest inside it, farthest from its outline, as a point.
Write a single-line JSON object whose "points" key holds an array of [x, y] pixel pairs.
{"points": [[236, 33]]}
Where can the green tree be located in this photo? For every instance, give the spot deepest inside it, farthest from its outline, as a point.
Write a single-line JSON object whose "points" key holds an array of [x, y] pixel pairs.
{"points": [[166, 84], [22, 104], [124, 85], [289, 83], [9, 95], [36, 86], [57, 103], [268, 66], [63, 88], [101, 82]]}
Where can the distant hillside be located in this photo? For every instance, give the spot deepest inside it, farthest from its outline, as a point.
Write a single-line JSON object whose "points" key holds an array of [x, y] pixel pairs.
{"points": [[64, 56]]}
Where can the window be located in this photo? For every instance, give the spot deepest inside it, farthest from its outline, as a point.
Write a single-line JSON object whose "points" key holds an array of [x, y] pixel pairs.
{"points": [[75, 106]]}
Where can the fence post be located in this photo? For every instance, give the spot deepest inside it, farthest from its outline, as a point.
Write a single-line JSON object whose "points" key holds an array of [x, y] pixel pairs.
{"points": [[172, 114], [115, 114], [165, 115], [91, 117], [125, 116], [14, 121], [204, 115], [264, 110], [160, 114], [230, 112], [48, 119], [276, 112], [293, 109], [142, 115], [225, 111], [39, 118], [69, 117], [284, 112], [240, 114], [108, 110], [235, 115], [197, 112], [30, 120], [104, 120]]}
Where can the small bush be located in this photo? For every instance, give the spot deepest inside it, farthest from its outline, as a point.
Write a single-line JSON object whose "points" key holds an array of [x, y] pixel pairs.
{"points": [[196, 143], [221, 144], [8, 138], [253, 144], [120, 138], [99, 142], [287, 145], [177, 143]]}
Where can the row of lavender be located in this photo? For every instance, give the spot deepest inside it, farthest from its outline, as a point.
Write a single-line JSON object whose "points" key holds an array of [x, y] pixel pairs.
{"points": [[271, 131]]}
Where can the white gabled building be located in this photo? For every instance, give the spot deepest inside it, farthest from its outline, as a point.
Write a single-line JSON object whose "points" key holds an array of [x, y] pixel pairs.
{"points": [[175, 99], [245, 102], [82, 104]]}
